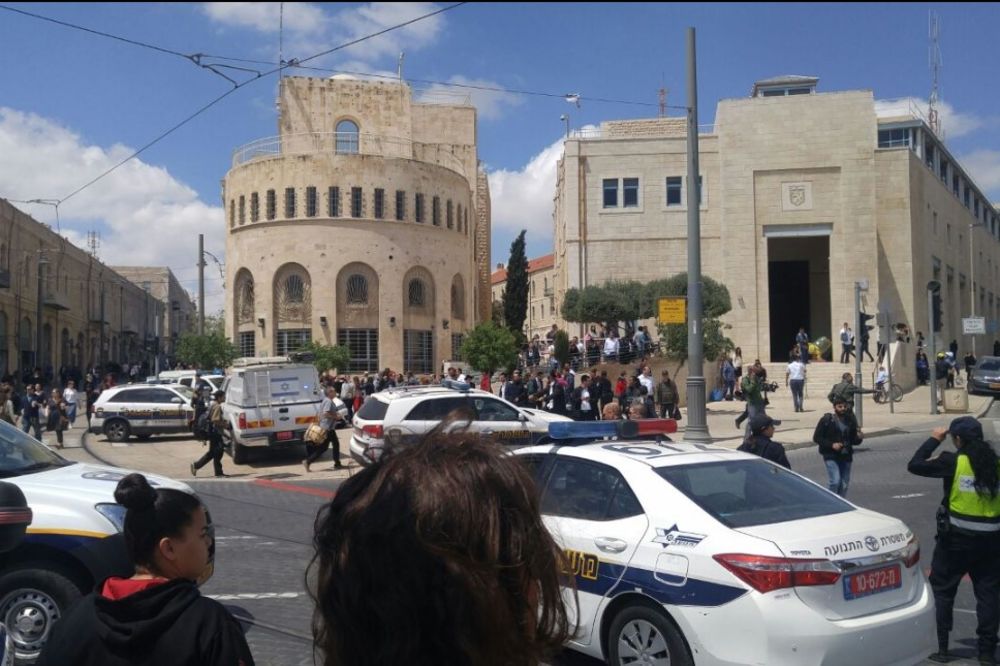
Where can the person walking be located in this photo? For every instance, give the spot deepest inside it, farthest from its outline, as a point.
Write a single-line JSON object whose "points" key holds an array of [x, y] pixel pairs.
{"points": [[327, 419], [737, 359], [759, 443], [837, 434], [845, 390], [968, 529], [802, 340], [347, 389], [728, 374], [846, 343], [795, 376], [56, 418], [70, 397], [970, 363], [753, 394], [667, 397], [217, 424], [584, 401]]}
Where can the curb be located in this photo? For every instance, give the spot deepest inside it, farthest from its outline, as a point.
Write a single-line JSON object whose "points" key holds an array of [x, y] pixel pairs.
{"points": [[90, 452]]}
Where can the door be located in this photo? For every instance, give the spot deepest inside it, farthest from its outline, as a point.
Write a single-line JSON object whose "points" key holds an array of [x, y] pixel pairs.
{"points": [[168, 413], [503, 421], [426, 416], [788, 289], [593, 514]]}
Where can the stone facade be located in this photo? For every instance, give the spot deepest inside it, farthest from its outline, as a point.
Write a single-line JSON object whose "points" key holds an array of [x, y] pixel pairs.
{"points": [[359, 225], [542, 311], [179, 311], [90, 313], [804, 194]]}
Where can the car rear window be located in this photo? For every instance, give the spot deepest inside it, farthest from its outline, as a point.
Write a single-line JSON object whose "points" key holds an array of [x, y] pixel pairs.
{"points": [[991, 364], [743, 493], [373, 410]]}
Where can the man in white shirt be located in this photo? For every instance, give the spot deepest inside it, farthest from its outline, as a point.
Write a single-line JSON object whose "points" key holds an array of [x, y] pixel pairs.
{"points": [[611, 348], [646, 379], [881, 378], [846, 343], [70, 397], [795, 377]]}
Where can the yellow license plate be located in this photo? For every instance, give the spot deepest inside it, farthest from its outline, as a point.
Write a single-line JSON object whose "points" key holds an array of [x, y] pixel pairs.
{"points": [[995, 386]]}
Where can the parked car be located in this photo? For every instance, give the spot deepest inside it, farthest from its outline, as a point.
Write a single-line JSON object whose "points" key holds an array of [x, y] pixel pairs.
{"points": [[985, 376], [142, 410]]}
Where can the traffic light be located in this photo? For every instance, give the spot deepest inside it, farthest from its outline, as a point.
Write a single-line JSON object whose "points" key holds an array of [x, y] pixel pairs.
{"points": [[936, 312], [863, 327]]}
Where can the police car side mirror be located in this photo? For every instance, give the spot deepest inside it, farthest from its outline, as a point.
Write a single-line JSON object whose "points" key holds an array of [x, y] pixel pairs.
{"points": [[522, 417]]}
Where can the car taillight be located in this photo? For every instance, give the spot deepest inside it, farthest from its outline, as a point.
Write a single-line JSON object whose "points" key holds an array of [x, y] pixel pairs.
{"points": [[243, 421], [911, 554], [765, 574], [374, 431]]}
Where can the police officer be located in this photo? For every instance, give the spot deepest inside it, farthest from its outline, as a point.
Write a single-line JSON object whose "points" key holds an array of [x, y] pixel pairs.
{"points": [[215, 446], [760, 443], [968, 536]]}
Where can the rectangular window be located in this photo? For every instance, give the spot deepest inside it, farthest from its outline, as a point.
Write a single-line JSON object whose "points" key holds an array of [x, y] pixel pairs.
{"points": [[954, 184], [272, 205], [935, 223], [289, 203], [418, 351], [611, 193], [975, 206], [948, 230], [894, 138], [943, 170], [418, 207], [630, 192], [965, 195], [400, 205], [333, 202], [290, 340], [310, 201], [379, 203], [673, 190], [456, 346], [232, 212], [356, 201], [436, 211], [449, 215], [243, 209], [248, 345], [363, 345], [254, 207], [929, 154]]}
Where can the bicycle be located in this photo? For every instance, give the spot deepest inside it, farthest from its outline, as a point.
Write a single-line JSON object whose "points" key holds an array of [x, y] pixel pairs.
{"points": [[881, 395]]}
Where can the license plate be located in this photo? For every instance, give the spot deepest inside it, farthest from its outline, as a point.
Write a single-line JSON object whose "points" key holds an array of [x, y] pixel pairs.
{"points": [[995, 386], [872, 582], [284, 436]]}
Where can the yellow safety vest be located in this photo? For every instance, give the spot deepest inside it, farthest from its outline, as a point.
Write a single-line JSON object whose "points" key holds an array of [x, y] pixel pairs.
{"points": [[968, 509]]}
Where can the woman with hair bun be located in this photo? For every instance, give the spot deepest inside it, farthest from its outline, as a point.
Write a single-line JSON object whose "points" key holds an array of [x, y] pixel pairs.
{"points": [[157, 617]]}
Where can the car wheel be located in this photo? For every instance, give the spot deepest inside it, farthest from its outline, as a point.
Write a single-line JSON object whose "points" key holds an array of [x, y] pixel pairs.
{"points": [[641, 635], [117, 430], [31, 602], [240, 453]]}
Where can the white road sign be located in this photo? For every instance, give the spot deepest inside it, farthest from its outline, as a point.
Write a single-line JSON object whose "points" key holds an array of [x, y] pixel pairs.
{"points": [[973, 326]]}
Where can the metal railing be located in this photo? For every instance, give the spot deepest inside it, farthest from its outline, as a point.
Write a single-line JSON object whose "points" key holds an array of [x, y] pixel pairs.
{"points": [[589, 133]]}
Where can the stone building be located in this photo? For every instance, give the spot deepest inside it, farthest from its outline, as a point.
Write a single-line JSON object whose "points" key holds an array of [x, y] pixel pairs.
{"points": [[90, 313], [542, 312], [803, 194], [179, 311], [366, 223]]}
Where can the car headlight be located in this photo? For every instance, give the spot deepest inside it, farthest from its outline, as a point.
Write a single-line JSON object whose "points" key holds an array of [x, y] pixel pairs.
{"points": [[114, 513]]}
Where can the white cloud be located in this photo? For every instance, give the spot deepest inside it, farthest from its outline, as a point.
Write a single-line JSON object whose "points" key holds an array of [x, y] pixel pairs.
{"points": [[145, 216], [984, 165], [954, 123], [523, 199], [489, 104], [298, 17]]}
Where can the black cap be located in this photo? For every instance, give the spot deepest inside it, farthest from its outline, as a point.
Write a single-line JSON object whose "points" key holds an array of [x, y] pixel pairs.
{"points": [[966, 427], [761, 422], [219, 394]]}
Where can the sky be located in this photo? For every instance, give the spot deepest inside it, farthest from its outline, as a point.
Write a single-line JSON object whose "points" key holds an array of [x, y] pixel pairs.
{"points": [[73, 104]]}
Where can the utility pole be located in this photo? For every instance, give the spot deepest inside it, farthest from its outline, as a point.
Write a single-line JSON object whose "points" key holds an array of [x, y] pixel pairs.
{"points": [[697, 428], [858, 404], [42, 262], [156, 343], [100, 354], [201, 284], [933, 288]]}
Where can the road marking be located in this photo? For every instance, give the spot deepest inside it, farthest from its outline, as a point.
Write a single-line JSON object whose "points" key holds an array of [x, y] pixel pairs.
{"points": [[962, 610], [291, 487], [227, 538], [909, 496], [254, 595]]}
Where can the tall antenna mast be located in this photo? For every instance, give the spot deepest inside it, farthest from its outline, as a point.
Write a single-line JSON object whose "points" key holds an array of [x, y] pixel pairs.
{"points": [[663, 101], [934, 58], [93, 242]]}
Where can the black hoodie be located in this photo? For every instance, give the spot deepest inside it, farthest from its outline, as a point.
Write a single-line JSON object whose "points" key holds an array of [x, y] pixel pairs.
{"points": [[170, 624]]}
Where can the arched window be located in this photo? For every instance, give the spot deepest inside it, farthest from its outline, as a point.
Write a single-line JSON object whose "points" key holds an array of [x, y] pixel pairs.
{"points": [[347, 137], [244, 297], [357, 290], [416, 293], [295, 289], [292, 299], [457, 298]]}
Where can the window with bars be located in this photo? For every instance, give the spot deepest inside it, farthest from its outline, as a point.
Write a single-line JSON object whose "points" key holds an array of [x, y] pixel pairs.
{"points": [[272, 205], [418, 351], [289, 203], [295, 289], [248, 344], [356, 202], [243, 209], [310, 201], [418, 207], [436, 211], [379, 203], [456, 346], [400, 205], [362, 343], [416, 293], [254, 207], [291, 339], [449, 216], [357, 290], [333, 202], [232, 212], [458, 218]]}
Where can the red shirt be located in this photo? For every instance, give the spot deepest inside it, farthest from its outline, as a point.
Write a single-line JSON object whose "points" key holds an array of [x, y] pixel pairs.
{"points": [[119, 588]]}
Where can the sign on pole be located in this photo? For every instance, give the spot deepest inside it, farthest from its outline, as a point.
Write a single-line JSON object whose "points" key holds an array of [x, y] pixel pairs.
{"points": [[672, 310], [973, 326]]}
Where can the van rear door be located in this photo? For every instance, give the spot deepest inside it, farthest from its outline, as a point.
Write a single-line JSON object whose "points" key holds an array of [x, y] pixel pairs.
{"points": [[288, 395]]}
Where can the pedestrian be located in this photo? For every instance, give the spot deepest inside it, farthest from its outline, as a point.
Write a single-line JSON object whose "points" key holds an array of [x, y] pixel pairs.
{"points": [[476, 587], [200, 405], [602, 387], [612, 411], [514, 391], [157, 616], [795, 377], [70, 397], [621, 391], [611, 348], [728, 375], [584, 401], [865, 340], [845, 390], [760, 443], [217, 424], [953, 348], [837, 434], [923, 368], [970, 363], [738, 364], [31, 415], [846, 343], [56, 417], [802, 340], [6, 405], [667, 397], [327, 419], [347, 389], [968, 529], [752, 393]]}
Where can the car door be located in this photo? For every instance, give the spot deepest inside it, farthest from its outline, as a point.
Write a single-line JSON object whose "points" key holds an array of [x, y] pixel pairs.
{"points": [[173, 410], [500, 419], [595, 517], [138, 409]]}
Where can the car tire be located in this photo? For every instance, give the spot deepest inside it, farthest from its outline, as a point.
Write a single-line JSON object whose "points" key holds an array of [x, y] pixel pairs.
{"points": [[240, 453], [117, 430], [31, 601], [639, 633]]}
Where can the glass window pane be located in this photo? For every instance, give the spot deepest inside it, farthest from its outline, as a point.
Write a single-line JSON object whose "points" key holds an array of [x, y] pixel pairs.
{"points": [[610, 193], [630, 192], [578, 489]]}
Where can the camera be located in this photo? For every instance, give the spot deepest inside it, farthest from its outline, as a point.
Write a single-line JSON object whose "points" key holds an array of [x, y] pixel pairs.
{"points": [[771, 388]]}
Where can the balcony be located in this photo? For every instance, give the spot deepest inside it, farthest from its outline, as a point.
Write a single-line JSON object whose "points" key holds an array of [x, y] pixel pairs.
{"points": [[346, 144], [56, 301]]}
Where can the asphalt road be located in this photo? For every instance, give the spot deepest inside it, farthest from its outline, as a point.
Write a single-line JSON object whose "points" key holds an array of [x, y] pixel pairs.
{"points": [[265, 530]]}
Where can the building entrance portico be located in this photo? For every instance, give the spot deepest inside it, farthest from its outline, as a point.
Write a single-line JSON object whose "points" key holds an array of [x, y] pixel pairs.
{"points": [[798, 279]]}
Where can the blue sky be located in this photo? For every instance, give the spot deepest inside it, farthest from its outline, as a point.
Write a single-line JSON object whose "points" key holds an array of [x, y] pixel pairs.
{"points": [[72, 104]]}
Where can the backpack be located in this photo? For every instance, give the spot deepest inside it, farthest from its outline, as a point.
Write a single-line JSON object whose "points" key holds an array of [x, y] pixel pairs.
{"points": [[203, 426]]}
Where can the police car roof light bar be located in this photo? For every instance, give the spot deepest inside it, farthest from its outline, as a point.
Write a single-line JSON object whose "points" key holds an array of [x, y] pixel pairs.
{"points": [[580, 430]]}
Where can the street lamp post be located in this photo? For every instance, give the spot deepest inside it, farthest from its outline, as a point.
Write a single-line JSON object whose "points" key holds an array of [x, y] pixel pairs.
{"points": [[972, 280], [42, 262]]}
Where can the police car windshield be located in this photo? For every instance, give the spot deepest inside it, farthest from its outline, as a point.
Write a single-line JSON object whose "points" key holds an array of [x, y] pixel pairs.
{"points": [[20, 454], [743, 493]]}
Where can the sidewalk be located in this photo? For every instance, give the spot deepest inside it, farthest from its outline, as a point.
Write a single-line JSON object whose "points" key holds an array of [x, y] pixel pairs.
{"points": [[796, 429]]}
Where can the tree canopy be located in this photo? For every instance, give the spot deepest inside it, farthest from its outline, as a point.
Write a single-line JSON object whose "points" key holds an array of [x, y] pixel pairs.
{"points": [[489, 347], [515, 293], [206, 351], [327, 357]]}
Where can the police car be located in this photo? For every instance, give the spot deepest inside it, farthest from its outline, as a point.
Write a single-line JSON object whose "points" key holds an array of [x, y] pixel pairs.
{"points": [[686, 554], [142, 410], [399, 416], [74, 540]]}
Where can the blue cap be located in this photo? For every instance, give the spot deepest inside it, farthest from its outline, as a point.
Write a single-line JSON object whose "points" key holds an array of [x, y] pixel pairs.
{"points": [[966, 427]]}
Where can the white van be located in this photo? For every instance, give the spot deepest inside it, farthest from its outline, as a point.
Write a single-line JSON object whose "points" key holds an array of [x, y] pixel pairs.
{"points": [[186, 378], [270, 402]]}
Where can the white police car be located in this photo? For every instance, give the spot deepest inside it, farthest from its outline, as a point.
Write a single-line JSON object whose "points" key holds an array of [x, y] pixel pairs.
{"points": [[685, 554], [142, 410], [74, 540]]}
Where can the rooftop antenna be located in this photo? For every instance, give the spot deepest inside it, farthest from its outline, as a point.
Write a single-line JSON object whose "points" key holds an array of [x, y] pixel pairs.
{"points": [[663, 98], [934, 58], [399, 66], [93, 242], [281, 56]]}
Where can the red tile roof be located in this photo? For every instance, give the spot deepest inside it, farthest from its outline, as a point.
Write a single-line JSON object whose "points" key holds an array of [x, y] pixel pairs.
{"points": [[534, 265]]}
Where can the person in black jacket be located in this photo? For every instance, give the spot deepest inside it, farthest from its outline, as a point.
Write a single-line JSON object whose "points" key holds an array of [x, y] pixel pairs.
{"points": [[760, 444], [157, 617], [584, 401], [968, 534], [837, 434]]}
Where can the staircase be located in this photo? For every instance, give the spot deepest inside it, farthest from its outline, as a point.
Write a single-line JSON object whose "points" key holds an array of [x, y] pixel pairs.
{"points": [[820, 376]]}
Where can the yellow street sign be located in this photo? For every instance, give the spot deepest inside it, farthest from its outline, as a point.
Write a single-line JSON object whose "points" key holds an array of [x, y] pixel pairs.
{"points": [[672, 310]]}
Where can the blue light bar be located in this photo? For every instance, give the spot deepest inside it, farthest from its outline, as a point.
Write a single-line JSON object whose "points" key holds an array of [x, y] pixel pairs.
{"points": [[592, 429]]}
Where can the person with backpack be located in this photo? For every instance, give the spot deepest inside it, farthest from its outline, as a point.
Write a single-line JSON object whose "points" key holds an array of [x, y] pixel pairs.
{"points": [[667, 397], [215, 448], [199, 421], [837, 434]]}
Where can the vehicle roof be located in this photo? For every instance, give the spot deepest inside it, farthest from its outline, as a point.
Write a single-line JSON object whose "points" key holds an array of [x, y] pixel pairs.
{"points": [[123, 387], [289, 365], [638, 451], [434, 390]]}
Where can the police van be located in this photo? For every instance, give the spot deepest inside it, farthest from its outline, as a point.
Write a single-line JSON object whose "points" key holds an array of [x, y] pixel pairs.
{"points": [[186, 378], [270, 403], [142, 410]]}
